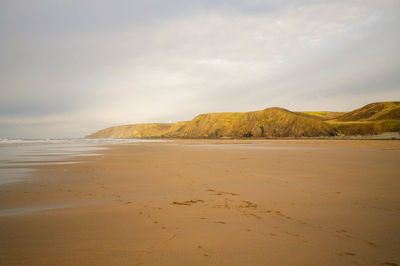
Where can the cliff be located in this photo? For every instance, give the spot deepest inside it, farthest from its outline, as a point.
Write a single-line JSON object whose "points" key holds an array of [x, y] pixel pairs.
{"points": [[273, 122]]}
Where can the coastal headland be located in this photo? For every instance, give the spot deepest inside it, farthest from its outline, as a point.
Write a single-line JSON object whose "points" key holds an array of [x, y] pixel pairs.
{"points": [[371, 119]]}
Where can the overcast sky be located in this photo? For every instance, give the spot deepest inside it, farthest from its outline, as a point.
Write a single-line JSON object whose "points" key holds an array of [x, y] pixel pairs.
{"points": [[69, 68]]}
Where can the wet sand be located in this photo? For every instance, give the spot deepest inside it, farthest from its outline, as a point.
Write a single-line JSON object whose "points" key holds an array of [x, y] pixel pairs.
{"points": [[293, 202]]}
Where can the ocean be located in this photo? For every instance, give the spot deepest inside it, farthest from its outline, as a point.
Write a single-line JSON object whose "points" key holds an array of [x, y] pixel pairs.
{"points": [[18, 155]]}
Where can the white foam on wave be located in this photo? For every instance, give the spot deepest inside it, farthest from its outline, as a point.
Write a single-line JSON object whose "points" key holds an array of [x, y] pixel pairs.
{"points": [[25, 153], [78, 140]]}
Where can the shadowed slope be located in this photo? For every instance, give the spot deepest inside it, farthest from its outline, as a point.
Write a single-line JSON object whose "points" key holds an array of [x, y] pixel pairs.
{"points": [[366, 127]]}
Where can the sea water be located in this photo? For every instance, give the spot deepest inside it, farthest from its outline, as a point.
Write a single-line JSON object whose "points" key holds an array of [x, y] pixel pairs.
{"points": [[18, 155]]}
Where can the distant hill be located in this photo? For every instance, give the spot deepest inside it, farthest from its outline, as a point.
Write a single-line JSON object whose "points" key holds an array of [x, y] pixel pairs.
{"points": [[374, 118], [154, 130], [273, 122], [373, 112]]}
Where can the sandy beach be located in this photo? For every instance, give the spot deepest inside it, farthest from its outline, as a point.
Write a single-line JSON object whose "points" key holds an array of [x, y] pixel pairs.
{"points": [[192, 202]]}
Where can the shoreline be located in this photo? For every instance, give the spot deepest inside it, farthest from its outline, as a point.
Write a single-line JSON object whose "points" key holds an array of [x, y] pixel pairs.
{"points": [[382, 136], [183, 202]]}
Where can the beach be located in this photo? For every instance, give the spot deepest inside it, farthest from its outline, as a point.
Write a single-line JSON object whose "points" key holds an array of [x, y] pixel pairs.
{"points": [[209, 202]]}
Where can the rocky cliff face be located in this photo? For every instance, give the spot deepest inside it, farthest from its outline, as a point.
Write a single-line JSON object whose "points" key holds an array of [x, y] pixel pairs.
{"points": [[272, 122]]}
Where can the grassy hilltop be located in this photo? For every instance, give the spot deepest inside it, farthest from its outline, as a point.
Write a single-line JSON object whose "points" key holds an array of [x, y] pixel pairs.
{"points": [[374, 118]]}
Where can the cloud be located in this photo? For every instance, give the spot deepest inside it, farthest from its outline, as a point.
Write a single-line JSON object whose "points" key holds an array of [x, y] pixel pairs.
{"points": [[88, 66]]}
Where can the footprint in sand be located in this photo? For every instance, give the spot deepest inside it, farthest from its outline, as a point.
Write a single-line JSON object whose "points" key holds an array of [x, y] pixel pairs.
{"points": [[292, 234], [252, 215], [202, 249], [248, 204], [300, 221], [370, 243], [349, 253], [220, 193], [187, 202]]}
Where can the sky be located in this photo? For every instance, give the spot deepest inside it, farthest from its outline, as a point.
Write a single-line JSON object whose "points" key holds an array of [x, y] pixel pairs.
{"points": [[70, 68]]}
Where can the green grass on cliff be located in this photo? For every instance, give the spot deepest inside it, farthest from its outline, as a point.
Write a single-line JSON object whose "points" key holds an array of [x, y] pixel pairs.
{"points": [[323, 115]]}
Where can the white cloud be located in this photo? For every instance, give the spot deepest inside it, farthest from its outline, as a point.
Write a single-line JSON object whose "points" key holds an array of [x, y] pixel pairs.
{"points": [[213, 59]]}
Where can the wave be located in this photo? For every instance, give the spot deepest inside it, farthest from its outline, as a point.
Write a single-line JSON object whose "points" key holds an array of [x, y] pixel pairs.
{"points": [[17, 153], [78, 140]]}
